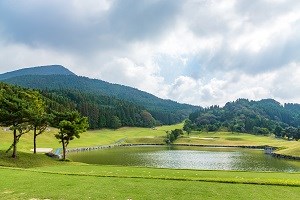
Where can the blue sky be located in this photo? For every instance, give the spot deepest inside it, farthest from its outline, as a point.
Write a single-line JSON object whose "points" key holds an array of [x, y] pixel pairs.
{"points": [[201, 52]]}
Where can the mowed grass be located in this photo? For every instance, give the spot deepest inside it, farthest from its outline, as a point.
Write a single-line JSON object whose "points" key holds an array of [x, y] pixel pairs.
{"points": [[245, 177], [110, 182], [27, 160], [241, 139], [39, 177], [135, 135], [89, 138]]}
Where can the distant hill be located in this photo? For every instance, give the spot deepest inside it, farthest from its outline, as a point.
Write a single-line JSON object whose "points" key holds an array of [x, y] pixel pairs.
{"points": [[41, 70], [259, 117], [165, 111]]}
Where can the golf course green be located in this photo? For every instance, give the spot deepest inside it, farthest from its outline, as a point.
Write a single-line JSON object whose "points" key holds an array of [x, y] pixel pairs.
{"points": [[37, 176]]}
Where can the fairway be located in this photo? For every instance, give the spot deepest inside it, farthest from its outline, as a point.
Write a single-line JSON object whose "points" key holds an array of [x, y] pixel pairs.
{"points": [[135, 135], [20, 184], [39, 177]]}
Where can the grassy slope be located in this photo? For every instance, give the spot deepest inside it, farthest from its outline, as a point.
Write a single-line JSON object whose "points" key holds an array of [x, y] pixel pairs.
{"points": [[90, 138], [147, 135]]}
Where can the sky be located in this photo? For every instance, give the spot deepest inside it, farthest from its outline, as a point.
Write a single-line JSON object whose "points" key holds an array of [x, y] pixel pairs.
{"points": [[201, 52]]}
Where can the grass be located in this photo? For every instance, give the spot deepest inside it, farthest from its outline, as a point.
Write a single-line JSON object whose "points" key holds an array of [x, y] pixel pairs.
{"points": [[242, 177], [89, 138], [137, 135], [241, 139], [26, 160], [39, 177], [78, 181]]}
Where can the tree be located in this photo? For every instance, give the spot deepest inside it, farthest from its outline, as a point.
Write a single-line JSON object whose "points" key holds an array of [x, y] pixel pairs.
{"points": [[290, 132], [187, 126], [278, 131], [115, 122], [70, 125], [39, 125], [148, 120], [173, 135], [39, 120], [17, 105]]}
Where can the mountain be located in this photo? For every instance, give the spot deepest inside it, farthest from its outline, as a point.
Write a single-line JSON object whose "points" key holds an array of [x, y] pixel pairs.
{"points": [[165, 111], [41, 70]]}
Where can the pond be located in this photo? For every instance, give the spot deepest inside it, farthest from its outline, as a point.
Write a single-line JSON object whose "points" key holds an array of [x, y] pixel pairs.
{"points": [[178, 157]]}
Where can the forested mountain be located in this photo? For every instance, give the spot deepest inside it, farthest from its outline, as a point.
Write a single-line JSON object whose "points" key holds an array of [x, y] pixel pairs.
{"points": [[164, 111], [258, 117], [42, 70], [102, 111]]}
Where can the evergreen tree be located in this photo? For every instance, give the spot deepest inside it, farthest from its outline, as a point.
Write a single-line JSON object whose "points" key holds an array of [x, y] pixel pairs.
{"points": [[17, 106], [70, 125]]}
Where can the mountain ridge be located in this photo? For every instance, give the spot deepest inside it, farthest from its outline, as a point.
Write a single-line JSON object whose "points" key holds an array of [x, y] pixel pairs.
{"points": [[38, 70], [166, 111]]}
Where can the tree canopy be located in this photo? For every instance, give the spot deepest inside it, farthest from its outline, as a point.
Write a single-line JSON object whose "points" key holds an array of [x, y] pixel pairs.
{"points": [[17, 107], [258, 117], [70, 125]]}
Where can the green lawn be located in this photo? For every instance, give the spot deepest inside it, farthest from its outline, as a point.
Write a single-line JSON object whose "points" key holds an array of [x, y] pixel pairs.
{"points": [[39, 177], [89, 138], [111, 182], [147, 135], [241, 139]]}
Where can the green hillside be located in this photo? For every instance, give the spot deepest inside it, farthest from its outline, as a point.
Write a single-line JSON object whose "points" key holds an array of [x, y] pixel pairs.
{"points": [[165, 111], [258, 117]]}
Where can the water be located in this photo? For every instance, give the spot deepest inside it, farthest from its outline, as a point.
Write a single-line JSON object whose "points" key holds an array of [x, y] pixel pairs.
{"points": [[188, 158]]}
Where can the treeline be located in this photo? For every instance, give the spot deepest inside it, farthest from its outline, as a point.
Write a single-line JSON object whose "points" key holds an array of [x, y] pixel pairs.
{"points": [[256, 117], [164, 111], [102, 111]]}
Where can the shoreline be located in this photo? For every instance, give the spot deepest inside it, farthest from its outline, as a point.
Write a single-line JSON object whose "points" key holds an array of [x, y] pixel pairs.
{"points": [[267, 149]]}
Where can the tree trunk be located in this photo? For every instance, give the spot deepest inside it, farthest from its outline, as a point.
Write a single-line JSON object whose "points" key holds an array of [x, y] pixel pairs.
{"points": [[64, 149], [14, 155], [34, 140]]}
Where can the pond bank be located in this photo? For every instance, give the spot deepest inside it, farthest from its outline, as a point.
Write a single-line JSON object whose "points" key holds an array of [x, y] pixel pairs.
{"points": [[267, 149]]}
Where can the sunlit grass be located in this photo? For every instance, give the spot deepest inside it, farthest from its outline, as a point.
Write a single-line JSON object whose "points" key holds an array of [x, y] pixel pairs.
{"points": [[89, 138], [137, 135], [39, 177], [111, 182], [241, 139]]}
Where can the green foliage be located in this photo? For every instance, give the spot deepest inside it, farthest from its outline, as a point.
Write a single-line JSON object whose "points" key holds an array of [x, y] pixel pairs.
{"points": [[257, 117], [18, 106], [165, 111], [99, 109], [173, 135], [115, 122], [188, 126], [148, 120], [70, 125]]}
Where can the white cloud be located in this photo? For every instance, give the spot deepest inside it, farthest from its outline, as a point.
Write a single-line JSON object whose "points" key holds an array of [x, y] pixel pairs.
{"points": [[282, 84], [201, 52]]}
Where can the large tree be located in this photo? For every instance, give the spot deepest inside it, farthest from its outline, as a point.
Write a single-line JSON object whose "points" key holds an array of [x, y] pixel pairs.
{"points": [[17, 106], [70, 125]]}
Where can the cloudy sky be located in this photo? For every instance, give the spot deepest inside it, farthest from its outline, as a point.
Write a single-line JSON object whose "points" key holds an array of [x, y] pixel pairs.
{"points": [[201, 52]]}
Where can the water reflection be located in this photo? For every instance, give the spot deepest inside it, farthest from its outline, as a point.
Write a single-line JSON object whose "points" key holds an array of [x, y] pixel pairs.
{"points": [[188, 158]]}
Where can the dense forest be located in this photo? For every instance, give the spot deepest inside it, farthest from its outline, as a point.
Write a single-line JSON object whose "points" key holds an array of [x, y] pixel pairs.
{"points": [[164, 111], [258, 117], [102, 111]]}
